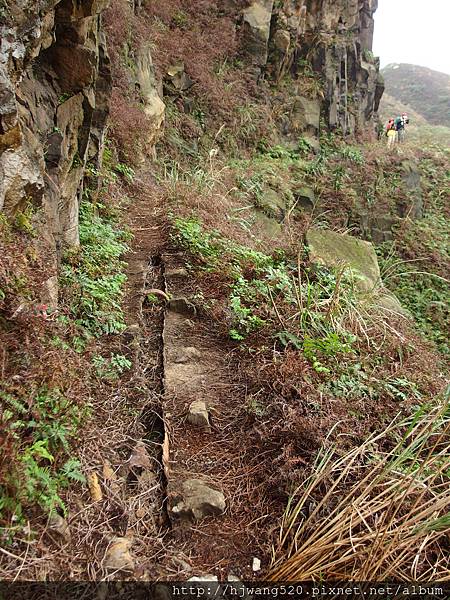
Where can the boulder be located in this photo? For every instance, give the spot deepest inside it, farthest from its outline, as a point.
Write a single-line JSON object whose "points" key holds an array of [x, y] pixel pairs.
{"points": [[377, 228], [20, 178], [59, 525], [269, 226], [391, 305], [305, 198], [305, 115], [178, 78], [196, 500], [336, 249], [273, 204], [118, 557], [198, 414], [150, 94]]}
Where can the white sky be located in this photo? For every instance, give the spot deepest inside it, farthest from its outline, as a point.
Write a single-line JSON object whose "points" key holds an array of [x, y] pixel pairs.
{"points": [[413, 31]]}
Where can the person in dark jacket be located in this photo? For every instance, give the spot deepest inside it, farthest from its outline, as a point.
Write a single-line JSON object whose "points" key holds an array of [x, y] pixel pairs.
{"points": [[400, 126]]}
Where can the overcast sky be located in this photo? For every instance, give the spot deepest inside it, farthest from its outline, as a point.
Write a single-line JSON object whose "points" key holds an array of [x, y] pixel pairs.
{"points": [[413, 31]]}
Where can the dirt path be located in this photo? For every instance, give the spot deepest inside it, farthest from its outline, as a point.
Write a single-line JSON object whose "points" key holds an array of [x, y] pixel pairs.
{"points": [[181, 360]]}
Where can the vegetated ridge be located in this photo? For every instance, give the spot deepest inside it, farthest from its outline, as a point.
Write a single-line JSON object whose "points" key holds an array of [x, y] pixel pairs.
{"points": [[223, 302]]}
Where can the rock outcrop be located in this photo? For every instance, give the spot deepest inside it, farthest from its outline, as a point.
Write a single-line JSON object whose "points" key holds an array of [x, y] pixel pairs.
{"points": [[55, 85], [257, 18], [331, 39], [339, 250]]}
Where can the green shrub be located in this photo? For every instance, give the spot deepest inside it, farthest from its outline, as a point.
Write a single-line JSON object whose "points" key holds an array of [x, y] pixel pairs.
{"points": [[38, 432]]}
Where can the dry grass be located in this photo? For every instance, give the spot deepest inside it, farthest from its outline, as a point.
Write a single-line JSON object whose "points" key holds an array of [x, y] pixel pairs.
{"points": [[385, 512]]}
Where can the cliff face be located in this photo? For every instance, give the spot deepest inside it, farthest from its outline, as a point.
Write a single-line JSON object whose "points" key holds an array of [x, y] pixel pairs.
{"points": [[332, 37], [54, 84]]}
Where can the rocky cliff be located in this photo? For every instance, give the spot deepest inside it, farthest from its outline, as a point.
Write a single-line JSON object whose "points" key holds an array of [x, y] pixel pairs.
{"points": [[55, 84], [332, 38]]}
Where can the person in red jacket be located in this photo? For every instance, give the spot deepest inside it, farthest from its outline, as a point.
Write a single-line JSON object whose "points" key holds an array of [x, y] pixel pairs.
{"points": [[391, 133]]}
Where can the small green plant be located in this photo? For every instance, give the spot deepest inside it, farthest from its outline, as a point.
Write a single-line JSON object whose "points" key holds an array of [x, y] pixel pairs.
{"points": [[111, 368], [38, 431], [352, 154], [339, 174], [368, 55], [255, 406], [64, 97], [245, 321], [23, 220], [190, 235], [77, 162], [330, 346], [401, 389], [180, 19], [125, 170], [317, 166]]}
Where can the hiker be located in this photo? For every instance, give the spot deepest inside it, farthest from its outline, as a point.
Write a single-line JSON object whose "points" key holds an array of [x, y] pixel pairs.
{"points": [[391, 133], [400, 125]]}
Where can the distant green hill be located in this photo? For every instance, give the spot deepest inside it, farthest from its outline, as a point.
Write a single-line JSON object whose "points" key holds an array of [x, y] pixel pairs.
{"points": [[425, 91]]}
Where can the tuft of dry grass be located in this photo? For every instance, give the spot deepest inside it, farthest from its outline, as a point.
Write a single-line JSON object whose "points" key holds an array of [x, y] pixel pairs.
{"points": [[385, 513]]}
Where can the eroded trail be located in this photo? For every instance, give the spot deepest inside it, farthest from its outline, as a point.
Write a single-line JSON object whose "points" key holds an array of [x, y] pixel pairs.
{"points": [[207, 514], [213, 474], [148, 520]]}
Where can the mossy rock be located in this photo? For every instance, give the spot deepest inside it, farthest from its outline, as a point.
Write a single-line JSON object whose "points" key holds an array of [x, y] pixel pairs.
{"points": [[273, 204], [271, 227], [336, 249]]}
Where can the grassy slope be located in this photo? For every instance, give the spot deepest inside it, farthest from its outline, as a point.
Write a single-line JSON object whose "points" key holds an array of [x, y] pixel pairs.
{"points": [[303, 335]]}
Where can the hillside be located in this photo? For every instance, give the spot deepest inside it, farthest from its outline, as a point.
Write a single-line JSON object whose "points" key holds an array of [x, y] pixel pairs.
{"points": [[223, 302], [426, 91], [419, 129]]}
